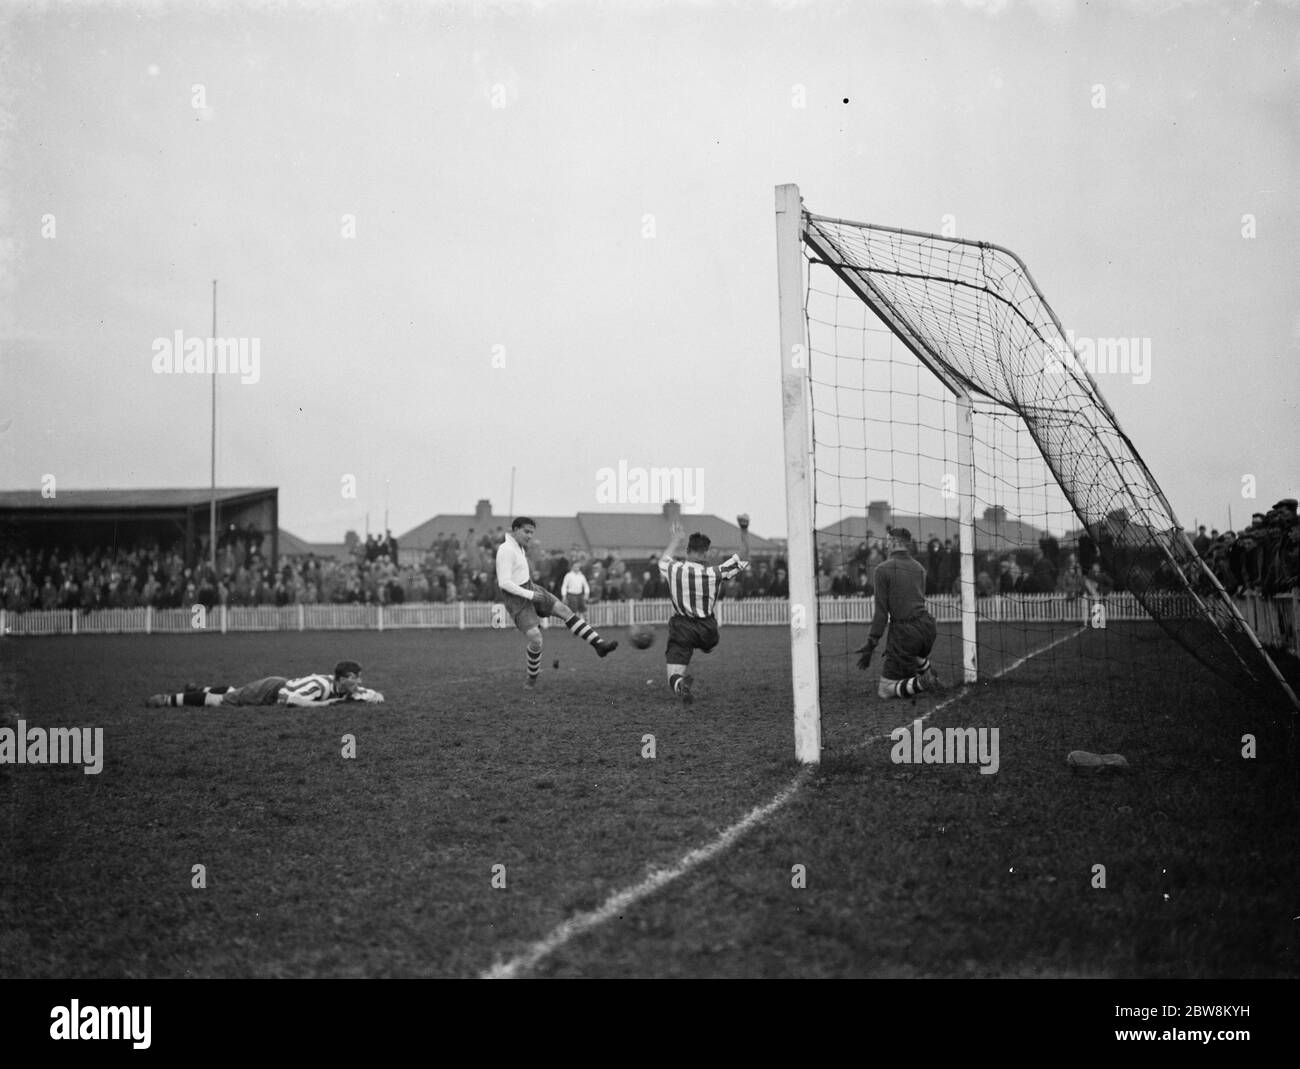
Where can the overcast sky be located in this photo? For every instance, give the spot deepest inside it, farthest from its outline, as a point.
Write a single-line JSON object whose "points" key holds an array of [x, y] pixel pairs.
{"points": [[471, 237]]}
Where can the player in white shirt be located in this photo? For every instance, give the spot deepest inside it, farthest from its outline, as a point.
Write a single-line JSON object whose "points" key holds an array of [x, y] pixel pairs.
{"points": [[309, 691], [527, 602]]}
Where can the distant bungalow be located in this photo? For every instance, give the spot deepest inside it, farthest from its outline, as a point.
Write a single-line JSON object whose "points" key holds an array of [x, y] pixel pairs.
{"points": [[995, 530], [631, 535]]}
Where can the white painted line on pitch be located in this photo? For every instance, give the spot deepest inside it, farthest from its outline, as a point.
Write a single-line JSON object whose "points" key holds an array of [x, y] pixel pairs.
{"points": [[613, 906], [617, 903]]}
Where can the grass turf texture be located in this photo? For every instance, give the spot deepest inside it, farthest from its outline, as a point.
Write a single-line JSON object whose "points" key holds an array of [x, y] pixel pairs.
{"points": [[382, 865]]}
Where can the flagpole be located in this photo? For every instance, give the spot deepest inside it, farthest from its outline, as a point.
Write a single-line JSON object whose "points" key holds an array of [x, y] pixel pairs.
{"points": [[212, 501]]}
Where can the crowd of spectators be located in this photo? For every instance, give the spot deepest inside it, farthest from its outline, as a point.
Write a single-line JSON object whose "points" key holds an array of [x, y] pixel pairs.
{"points": [[1264, 559], [125, 577], [1046, 569]]}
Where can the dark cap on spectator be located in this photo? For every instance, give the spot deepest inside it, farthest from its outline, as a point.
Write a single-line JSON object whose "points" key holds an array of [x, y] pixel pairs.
{"points": [[900, 533], [1287, 503]]}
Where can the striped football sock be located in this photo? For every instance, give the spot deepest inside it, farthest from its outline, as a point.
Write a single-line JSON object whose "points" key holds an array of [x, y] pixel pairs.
{"points": [[534, 663], [909, 687], [582, 629]]}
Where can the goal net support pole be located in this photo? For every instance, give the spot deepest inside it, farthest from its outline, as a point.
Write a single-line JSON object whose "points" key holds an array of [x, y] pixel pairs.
{"points": [[966, 533]]}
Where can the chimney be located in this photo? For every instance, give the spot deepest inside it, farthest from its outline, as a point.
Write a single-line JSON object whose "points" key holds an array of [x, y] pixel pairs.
{"points": [[483, 511], [672, 512], [879, 516]]}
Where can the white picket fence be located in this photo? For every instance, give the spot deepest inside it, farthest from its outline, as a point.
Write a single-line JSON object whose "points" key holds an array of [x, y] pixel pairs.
{"points": [[1273, 619]]}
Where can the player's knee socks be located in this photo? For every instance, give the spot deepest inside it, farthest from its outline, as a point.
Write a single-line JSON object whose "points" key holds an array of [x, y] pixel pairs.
{"points": [[924, 666], [534, 654], [190, 697], [907, 688], [582, 629], [675, 673]]}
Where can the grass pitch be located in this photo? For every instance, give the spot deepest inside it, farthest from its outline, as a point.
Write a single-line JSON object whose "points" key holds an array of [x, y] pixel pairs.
{"points": [[384, 864]]}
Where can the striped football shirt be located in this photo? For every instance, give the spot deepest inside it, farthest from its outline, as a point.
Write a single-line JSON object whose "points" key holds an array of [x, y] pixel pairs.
{"points": [[692, 587], [311, 688]]}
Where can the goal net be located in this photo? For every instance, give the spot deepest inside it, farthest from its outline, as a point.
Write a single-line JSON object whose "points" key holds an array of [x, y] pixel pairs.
{"points": [[930, 387]]}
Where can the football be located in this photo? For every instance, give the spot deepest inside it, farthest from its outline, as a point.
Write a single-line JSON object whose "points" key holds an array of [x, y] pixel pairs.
{"points": [[642, 637]]}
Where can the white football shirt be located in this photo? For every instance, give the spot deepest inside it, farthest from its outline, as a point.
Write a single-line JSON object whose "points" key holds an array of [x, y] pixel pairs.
{"points": [[513, 571]]}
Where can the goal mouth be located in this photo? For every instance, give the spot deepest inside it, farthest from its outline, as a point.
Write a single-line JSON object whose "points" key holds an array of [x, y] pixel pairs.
{"points": [[944, 396]]}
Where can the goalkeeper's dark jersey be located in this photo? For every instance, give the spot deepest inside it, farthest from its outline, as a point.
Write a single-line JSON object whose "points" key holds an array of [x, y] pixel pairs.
{"points": [[900, 591]]}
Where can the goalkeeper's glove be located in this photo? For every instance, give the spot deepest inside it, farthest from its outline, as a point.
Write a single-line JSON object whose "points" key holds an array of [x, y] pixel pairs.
{"points": [[866, 652]]}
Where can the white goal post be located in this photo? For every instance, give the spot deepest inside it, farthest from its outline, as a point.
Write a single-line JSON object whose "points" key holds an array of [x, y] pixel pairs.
{"points": [[801, 554]]}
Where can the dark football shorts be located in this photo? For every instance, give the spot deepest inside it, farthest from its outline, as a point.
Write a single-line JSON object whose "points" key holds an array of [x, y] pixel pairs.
{"points": [[259, 692], [909, 643], [523, 611], [686, 634]]}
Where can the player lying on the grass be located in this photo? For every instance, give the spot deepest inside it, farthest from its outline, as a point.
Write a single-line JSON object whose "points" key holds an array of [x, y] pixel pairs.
{"points": [[900, 603], [310, 691], [693, 588], [527, 602]]}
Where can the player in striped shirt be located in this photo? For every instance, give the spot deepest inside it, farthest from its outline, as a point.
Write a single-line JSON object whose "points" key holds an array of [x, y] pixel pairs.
{"points": [[900, 602], [309, 691], [694, 587], [526, 602]]}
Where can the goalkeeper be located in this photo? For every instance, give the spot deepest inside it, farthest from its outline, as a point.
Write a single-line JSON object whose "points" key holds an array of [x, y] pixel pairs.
{"points": [[900, 603]]}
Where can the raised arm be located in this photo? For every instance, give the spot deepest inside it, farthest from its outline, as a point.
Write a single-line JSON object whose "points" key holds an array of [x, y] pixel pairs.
{"points": [[742, 521], [674, 543]]}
